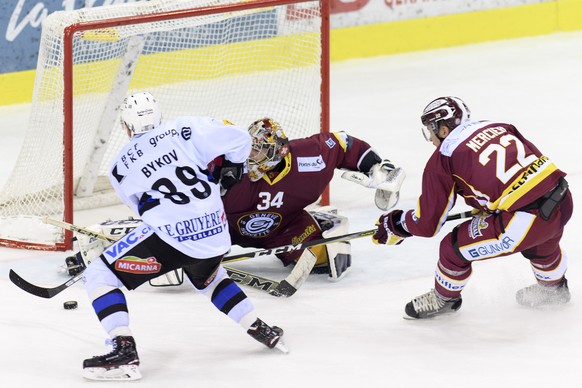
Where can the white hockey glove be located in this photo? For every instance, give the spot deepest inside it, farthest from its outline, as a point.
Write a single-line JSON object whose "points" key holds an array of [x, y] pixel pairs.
{"points": [[385, 178]]}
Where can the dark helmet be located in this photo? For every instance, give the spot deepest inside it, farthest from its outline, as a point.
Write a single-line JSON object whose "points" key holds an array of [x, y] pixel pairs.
{"points": [[451, 110]]}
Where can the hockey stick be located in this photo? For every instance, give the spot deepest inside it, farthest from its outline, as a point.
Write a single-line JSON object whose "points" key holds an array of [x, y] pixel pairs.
{"points": [[296, 247], [237, 275], [77, 229], [259, 252], [39, 291], [251, 280], [323, 241], [230, 258]]}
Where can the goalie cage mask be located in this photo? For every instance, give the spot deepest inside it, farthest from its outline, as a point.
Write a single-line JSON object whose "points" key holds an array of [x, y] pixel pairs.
{"points": [[269, 147], [140, 113], [450, 110]]}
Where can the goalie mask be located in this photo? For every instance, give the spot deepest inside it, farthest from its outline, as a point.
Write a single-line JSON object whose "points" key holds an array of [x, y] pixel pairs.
{"points": [[451, 111], [140, 113], [268, 149]]}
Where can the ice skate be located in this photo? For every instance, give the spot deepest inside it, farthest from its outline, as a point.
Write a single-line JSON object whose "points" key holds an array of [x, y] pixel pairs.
{"points": [[537, 295], [430, 305], [122, 363], [267, 335]]}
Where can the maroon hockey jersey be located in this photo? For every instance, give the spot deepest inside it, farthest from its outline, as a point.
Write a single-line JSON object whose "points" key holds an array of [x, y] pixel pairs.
{"points": [[270, 212], [491, 165]]}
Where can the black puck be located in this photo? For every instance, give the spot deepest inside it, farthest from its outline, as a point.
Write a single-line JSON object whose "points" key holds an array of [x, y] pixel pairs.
{"points": [[70, 305]]}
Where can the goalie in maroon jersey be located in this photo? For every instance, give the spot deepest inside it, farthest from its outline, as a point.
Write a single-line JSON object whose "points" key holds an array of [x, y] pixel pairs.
{"points": [[267, 208], [522, 204]]}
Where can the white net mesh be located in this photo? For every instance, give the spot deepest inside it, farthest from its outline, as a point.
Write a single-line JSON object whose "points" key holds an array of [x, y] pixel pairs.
{"points": [[238, 65]]}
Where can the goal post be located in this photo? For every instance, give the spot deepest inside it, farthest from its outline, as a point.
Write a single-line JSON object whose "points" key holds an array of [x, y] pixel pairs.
{"points": [[229, 59]]}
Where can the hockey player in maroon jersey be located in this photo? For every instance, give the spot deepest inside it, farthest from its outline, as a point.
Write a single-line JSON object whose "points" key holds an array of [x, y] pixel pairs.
{"points": [[267, 208], [522, 204]]}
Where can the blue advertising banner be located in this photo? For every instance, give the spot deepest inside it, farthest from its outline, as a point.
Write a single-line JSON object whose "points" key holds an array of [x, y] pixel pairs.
{"points": [[20, 23]]}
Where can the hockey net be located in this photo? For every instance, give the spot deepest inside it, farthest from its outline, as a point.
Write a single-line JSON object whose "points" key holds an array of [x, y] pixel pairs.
{"points": [[232, 60]]}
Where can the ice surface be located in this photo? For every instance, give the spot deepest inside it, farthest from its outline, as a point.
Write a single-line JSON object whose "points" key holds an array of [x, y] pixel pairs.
{"points": [[349, 333]]}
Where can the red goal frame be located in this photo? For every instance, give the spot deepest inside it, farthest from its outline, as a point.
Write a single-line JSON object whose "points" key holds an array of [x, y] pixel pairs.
{"points": [[72, 29]]}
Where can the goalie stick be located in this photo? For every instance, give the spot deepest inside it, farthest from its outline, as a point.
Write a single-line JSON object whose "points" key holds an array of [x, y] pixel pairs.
{"points": [[237, 275]]}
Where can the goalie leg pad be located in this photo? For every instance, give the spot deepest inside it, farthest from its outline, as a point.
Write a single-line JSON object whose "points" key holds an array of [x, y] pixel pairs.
{"points": [[339, 258]]}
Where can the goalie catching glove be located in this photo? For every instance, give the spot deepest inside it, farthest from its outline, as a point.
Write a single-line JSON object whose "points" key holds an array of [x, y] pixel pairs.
{"points": [[390, 229], [385, 178]]}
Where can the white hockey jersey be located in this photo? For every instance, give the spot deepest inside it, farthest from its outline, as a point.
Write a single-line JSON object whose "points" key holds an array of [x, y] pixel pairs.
{"points": [[163, 176]]}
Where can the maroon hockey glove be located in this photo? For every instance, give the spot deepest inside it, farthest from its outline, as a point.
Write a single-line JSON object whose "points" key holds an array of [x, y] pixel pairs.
{"points": [[389, 231]]}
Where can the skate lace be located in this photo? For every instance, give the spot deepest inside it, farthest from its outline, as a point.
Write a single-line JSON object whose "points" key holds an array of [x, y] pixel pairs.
{"points": [[428, 302], [110, 342], [116, 344]]}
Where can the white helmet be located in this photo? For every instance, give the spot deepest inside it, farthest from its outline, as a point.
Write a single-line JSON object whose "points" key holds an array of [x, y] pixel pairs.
{"points": [[140, 113]]}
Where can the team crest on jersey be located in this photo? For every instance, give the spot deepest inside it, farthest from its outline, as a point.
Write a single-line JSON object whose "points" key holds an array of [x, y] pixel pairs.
{"points": [[258, 224], [186, 133], [135, 265], [330, 143], [476, 226]]}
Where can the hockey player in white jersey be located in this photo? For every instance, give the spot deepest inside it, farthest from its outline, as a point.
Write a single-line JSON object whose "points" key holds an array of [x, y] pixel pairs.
{"points": [[162, 175]]}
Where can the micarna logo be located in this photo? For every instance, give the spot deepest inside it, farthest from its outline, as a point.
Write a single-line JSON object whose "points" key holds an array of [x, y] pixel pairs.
{"points": [[135, 265]]}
